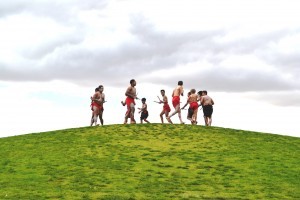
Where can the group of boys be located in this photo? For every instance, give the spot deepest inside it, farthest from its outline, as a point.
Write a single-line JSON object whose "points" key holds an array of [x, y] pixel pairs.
{"points": [[204, 100]]}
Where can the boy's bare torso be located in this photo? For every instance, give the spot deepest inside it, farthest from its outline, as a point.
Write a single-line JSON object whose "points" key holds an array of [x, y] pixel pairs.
{"points": [[177, 91]]}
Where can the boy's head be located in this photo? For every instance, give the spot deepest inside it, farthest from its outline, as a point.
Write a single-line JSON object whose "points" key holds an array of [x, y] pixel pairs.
{"points": [[193, 91], [96, 89], [101, 88], [162, 92], [200, 93], [143, 100], [132, 82], [180, 83], [189, 94]]}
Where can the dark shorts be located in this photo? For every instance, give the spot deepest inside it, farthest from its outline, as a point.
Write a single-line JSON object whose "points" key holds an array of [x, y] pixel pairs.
{"points": [[190, 112], [207, 110], [144, 115]]}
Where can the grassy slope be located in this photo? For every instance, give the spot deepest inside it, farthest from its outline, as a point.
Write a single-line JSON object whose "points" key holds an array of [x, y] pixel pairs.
{"points": [[151, 161]]}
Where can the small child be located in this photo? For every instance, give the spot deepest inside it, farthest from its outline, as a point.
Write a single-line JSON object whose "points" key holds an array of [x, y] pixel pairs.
{"points": [[144, 111]]}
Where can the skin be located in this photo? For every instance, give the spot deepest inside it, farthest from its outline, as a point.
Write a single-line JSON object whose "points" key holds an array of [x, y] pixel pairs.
{"points": [[131, 92], [143, 108], [101, 100], [95, 98], [164, 112], [206, 100], [178, 91]]}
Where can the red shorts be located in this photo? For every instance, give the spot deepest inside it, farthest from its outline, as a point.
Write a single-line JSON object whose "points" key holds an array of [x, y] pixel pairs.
{"points": [[97, 105], [175, 101], [166, 107], [129, 101], [194, 105]]}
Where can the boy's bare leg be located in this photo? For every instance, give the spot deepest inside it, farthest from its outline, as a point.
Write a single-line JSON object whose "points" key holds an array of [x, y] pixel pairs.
{"points": [[206, 121], [179, 113], [194, 117], [146, 121], [126, 120], [209, 121], [174, 113], [92, 120], [95, 115], [167, 117], [132, 109], [161, 116], [100, 117]]}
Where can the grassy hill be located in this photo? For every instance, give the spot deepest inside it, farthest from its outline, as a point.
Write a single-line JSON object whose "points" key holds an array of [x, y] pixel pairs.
{"points": [[150, 161]]}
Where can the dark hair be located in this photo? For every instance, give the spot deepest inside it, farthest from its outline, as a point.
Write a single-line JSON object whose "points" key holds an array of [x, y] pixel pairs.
{"points": [[143, 99], [100, 86], [162, 90], [180, 83], [200, 92], [193, 91], [131, 81], [96, 89], [204, 91]]}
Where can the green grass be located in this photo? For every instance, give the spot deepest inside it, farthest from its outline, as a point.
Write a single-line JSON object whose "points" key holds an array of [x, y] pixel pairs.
{"points": [[150, 161]]}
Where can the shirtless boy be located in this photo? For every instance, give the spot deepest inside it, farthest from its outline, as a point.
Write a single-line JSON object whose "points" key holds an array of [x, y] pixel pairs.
{"points": [[193, 99], [130, 97], [144, 111], [95, 107], [101, 101], [176, 101], [193, 109], [166, 108], [207, 105], [190, 111]]}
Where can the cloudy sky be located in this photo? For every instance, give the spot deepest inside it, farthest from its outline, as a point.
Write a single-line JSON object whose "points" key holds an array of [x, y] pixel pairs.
{"points": [[54, 53]]}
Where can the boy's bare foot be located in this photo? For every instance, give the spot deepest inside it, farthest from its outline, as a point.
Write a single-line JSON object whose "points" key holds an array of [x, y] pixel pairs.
{"points": [[122, 102], [169, 120]]}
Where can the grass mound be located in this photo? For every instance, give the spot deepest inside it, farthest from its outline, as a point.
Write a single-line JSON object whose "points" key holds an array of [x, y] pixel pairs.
{"points": [[150, 161]]}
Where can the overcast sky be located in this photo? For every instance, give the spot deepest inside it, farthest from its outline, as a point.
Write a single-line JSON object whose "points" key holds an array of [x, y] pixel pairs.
{"points": [[54, 53]]}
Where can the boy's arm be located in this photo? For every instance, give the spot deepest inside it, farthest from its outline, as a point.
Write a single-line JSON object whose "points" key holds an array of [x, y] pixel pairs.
{"points": [[184, 106], [187, 102], [94, 97], [103, 98], [201, 101]]}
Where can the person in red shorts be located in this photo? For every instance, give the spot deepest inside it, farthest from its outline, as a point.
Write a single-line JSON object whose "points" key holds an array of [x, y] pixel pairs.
{"points": [[166, 108], [193, 99], [176, 101], [190, 111], [95, 107], [130, 103]]}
